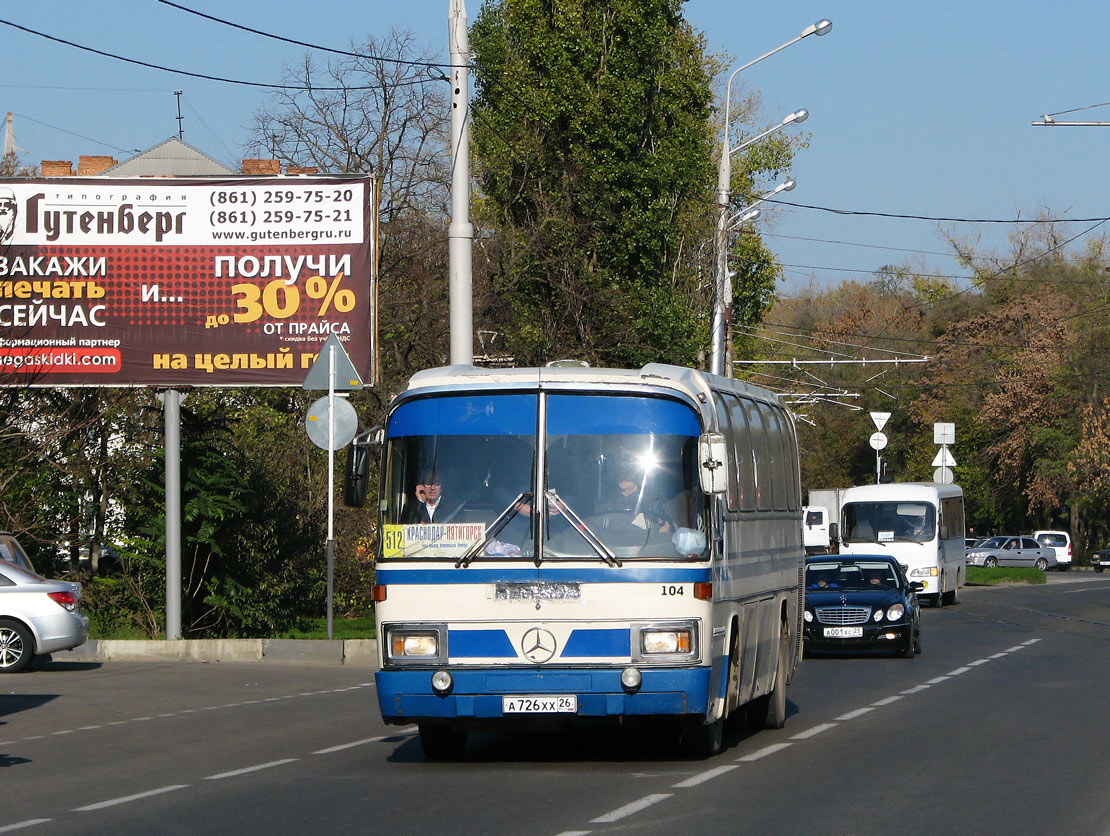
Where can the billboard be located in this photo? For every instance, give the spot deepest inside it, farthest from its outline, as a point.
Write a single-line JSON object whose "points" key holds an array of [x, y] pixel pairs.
{"points": [[183, 281]]}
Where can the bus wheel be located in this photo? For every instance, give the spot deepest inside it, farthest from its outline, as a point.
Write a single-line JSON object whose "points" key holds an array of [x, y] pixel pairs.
{"points": [[938, 600], [441, 743], [704, 740], [734, 714], [951, 595], [769, 711]]}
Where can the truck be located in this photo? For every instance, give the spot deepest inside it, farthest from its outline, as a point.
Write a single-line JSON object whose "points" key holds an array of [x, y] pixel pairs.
{"points": [[820, 520]]}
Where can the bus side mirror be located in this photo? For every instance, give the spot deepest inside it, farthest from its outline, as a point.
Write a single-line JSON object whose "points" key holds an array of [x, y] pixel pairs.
{"points": [[713, 460], [834, 532], [357, 477]]}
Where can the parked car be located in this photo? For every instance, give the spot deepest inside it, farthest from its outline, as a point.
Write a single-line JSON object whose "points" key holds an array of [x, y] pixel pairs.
{"points": [[1008, 550], [861, 602], [37, 616], [11, 551], [1100, 559], [1060, 543]]}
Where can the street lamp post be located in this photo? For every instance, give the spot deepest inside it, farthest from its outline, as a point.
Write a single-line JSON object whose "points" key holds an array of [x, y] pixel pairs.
{"points": [[724, 184]]}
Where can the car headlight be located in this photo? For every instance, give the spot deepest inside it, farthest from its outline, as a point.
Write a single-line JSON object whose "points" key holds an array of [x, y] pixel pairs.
{"points": [[415, 644], [896, 613], [808, 616], [672, 641]]}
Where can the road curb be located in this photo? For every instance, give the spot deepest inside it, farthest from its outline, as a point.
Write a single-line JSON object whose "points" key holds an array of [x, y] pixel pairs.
{"points": [[354, 652]]}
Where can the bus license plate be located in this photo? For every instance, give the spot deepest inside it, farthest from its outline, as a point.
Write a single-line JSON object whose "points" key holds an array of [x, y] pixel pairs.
{"points": [[843, 632], [562, 704]]}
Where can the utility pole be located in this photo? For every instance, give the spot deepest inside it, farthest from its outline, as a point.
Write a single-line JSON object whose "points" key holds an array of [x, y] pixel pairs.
{"points": [[460, 234], [180, 126]]}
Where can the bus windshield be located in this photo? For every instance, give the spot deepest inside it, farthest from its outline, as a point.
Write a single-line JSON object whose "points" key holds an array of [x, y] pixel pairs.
{"points": [[887, 522], [619, 479]]}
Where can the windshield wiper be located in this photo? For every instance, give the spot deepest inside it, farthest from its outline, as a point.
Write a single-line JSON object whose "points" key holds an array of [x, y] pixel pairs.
{"points": [[494, 529], [596, 543]]}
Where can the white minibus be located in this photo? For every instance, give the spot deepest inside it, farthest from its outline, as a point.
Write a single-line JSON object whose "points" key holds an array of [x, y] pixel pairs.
{"points": [[920, 524]]}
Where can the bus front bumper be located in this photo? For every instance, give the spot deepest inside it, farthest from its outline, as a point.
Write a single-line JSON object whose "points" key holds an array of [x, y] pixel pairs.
{"points": [[407, 696]]}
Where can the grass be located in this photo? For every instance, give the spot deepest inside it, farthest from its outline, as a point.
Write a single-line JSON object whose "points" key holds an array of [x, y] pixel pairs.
{"points": [[981, 576], [341, 628]]}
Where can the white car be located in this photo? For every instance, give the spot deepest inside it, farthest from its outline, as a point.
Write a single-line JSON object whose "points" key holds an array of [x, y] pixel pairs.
{"points": [[37, 616], [1059, 542]]}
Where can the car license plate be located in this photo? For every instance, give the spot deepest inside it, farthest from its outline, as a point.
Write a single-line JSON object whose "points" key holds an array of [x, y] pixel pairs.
{"points": [[561, 704], [843, 632]]}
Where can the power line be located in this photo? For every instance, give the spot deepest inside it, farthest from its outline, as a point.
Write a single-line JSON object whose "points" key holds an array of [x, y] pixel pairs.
{"points": [[295, 42], [79, 136], [934, 218], [204, 76]]}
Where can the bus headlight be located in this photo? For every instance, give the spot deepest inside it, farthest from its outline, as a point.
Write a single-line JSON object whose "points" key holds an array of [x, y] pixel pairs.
{"points": [[415, 643], [442, 682], [924, 572], [677, 641]]}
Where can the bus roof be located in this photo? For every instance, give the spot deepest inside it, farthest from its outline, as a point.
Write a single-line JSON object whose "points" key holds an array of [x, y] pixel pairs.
{"points": [[695, 384]]}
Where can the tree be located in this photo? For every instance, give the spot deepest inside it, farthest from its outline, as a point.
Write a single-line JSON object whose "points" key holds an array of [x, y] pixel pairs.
{"points": [[592, 135]]}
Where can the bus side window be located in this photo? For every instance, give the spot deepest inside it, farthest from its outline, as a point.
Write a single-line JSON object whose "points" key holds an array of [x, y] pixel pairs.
{"points": [[762, 458], [734, 491], [744, 462], [779, 475]]}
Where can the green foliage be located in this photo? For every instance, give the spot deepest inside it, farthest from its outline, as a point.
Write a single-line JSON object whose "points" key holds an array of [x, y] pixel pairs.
{"points": [[593, 141]]}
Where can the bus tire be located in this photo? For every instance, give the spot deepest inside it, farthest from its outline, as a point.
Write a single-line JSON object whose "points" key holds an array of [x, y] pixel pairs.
{"points": [[951, 595], [769, 711], [704, 740], [441, 743], [734, 715]]}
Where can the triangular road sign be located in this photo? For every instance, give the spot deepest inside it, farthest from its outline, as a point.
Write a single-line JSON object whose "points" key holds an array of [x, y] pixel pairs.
{"points": [[346, 378], [880, 419], [944, 458]]}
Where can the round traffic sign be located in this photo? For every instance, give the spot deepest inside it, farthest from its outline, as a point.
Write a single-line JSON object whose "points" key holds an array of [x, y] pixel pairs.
{"points": [[943, 475], [877, 441], [346, 423]]}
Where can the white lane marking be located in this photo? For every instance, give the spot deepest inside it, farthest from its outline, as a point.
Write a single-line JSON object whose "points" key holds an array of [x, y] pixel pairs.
{"points": [[977, 663], [916, 689], [629, 809], [184, 711], [19, 825], [702, 777], [575, 833], [401, 732], [958, 671], [937, 680], [816, 730], [247, 769], [112, 802], [1029, 642], [1015, 647], [764, 752], [998, 655], [887, 701], [852, 715]]}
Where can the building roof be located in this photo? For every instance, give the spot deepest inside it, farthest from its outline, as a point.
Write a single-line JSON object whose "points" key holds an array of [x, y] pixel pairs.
{"points": [[170, 158]]}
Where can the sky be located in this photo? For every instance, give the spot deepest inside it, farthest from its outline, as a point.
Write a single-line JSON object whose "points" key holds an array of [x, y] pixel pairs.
{"points": [[915, 109]]}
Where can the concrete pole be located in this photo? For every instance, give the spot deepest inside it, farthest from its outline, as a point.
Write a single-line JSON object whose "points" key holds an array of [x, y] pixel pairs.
{"points": [[460, 234], [171, 401]]}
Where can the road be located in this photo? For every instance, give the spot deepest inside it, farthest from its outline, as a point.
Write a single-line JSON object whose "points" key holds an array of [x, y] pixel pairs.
{"points": [[997, 728]]}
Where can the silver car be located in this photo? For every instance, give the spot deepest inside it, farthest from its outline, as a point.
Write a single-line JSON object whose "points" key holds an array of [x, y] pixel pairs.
{"points": [[37, 616], [1011, 551]]}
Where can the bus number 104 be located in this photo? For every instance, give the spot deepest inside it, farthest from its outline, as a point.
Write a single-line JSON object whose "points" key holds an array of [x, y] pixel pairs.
{"points": [[673, 589]]}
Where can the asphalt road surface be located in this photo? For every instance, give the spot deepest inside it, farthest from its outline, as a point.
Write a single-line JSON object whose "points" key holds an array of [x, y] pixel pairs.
{"points": [[999, 727]]}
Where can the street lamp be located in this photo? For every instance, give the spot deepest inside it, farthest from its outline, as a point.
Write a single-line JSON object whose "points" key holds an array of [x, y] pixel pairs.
{"points": [[746, 214], [724, 183]]}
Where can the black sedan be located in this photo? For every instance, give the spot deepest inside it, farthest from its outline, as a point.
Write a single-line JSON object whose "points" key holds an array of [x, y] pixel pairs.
{"points": [[861, 602]]}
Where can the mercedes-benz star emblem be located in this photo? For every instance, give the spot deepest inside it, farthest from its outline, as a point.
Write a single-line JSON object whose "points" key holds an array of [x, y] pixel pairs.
{"points": [[538, 645]]}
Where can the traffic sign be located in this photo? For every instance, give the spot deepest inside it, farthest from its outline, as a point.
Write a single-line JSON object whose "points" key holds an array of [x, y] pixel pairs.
{"points": [[944, 433], [346, 378], [877, 441], [880, 419], [346, 422], [943, 475], [944, 458]]}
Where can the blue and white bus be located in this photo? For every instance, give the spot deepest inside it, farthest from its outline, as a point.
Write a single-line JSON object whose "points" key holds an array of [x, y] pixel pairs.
{"points": [[919, 524], [608, 545]]}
